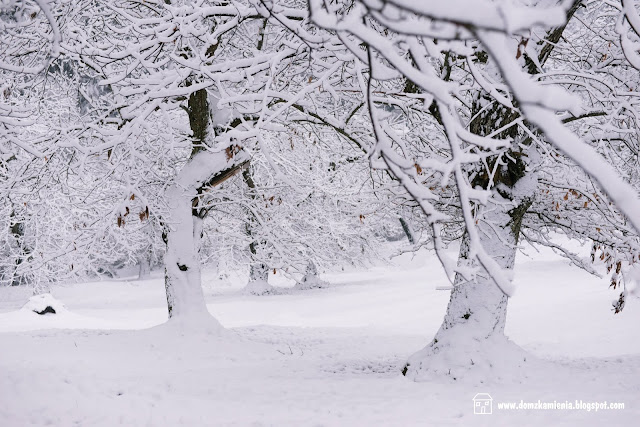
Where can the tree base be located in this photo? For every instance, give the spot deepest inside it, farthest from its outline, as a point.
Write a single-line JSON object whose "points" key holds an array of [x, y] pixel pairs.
{"points": [[198, 323], [469, 359], [259, 287], [310, 282]]}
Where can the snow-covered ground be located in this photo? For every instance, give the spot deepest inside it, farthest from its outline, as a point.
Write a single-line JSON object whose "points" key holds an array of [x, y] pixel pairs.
{"points": [[312, 358]]}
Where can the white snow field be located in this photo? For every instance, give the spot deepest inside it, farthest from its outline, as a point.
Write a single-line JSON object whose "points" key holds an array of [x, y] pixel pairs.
{"points": [[325, 357]]}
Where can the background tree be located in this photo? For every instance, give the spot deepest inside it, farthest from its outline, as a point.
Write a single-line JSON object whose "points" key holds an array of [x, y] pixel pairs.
{"points": [[309, 203], [226, 70]]}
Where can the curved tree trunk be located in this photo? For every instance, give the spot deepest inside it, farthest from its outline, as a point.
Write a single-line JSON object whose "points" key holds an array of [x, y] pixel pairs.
{"points": [[183, 232]]}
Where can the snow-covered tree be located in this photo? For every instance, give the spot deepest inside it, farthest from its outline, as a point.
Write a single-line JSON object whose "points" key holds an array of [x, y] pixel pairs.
{"points": [[472, 112], [219, 74], [31, 41], [59, 200], [306, 202]]}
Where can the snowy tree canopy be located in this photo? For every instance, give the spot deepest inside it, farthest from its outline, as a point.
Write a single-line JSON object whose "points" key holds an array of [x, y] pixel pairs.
{"points": [[281, 135]]}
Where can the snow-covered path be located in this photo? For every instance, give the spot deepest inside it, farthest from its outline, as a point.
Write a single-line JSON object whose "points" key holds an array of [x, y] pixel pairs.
{"points": [[321, 357]]}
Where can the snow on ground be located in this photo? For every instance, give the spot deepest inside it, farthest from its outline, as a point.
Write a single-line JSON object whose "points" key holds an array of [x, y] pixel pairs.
{"points": [[311, 358]]}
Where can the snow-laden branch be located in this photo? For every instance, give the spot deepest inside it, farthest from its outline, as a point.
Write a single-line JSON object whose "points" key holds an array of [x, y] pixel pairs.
{"points": [[51, 52], [540, 108]]}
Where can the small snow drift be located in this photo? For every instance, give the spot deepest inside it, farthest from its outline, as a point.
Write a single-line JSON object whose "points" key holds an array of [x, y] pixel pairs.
{"points": [[310, 280], [460, 356], [259, 287], [44, 304]]}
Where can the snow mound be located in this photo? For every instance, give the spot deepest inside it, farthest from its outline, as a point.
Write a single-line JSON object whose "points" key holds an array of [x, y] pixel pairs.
{"points": [[44, 304], [259, 287], [464, 358], [310, 281]]}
